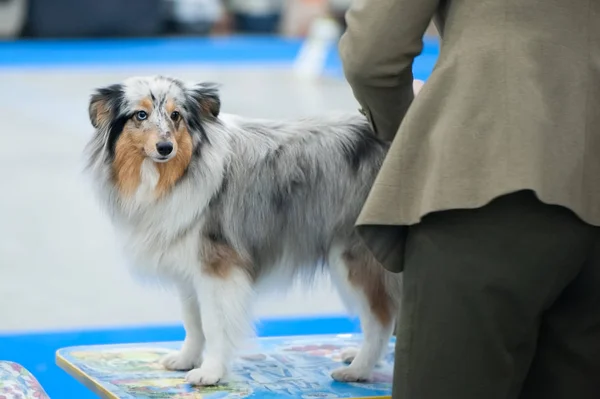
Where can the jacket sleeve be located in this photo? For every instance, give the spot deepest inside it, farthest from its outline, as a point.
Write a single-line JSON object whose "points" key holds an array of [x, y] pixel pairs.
{"points": [[377, 50]]}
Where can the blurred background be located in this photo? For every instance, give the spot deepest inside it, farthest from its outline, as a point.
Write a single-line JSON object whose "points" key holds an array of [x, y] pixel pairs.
{"points": [[63, 281]]}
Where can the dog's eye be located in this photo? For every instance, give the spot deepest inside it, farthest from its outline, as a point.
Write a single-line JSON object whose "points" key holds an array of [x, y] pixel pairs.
{"points": [[141, 115], [175, 115]]}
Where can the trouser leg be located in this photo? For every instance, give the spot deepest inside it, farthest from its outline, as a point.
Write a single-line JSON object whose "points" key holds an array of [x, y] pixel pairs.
{"points": [[475, 285], [567, 361]]}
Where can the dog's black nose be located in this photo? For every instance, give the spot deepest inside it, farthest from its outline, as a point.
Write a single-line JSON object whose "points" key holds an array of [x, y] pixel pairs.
{"points": [[164, 148]]}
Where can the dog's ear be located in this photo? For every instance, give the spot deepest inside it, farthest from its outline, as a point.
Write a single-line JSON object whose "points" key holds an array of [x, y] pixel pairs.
{"points": [[104, 102], [204, 97]]}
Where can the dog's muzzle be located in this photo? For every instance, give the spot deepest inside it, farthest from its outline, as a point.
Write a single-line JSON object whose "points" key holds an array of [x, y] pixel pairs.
{"points": [[164, 148], [164, 151]]}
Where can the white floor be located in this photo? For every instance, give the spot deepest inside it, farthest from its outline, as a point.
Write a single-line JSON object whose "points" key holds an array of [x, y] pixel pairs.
{"points": [[59, 264]]}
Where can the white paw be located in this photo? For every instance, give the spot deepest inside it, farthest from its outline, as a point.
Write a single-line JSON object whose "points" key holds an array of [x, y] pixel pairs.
{"points": [[205, 375], [348, 355], [350, 374], [181, 361]]}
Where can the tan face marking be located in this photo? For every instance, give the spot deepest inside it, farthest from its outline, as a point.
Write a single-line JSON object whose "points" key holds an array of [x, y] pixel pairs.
{"points": [[129, 155], [138, 141], [146, 105], [170, 106]]}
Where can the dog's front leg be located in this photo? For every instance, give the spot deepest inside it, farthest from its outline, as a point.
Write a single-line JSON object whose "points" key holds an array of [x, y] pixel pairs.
{"points": [[226, 304], [190, 355]]}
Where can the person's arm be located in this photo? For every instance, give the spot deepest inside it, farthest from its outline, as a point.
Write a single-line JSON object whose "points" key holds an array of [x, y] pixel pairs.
{"points": [[378, 48]]}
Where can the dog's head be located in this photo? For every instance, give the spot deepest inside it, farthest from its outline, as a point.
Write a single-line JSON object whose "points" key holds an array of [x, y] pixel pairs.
{"points": [[157, 119]]}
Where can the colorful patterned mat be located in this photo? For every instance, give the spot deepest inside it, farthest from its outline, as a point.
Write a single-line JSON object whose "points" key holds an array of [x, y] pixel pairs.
{"points": [[285, 367], [16, 382]]}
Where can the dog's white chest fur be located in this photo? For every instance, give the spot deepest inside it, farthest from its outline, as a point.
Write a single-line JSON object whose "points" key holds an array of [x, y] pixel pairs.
{"points": [[160, 244], [152, 255], [148, 180]]}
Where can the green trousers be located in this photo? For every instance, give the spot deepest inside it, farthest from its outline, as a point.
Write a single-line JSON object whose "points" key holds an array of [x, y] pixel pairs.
{"points": [[500, 302]]}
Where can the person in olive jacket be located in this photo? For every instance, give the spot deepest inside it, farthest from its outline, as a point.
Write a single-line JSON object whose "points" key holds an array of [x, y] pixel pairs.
{"points": [[489, 198]]}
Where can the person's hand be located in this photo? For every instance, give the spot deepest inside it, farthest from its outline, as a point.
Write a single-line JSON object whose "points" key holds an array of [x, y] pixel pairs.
{"points": [[224, 26], [417, 85]]}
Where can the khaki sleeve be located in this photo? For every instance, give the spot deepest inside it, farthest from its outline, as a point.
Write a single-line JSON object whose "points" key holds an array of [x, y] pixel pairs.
{"points": [[382, 39]]}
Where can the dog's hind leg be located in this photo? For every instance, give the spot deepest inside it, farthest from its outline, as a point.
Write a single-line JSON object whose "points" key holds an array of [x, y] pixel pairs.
{"points": [[226, 296], [190, 355], [361, 284]]}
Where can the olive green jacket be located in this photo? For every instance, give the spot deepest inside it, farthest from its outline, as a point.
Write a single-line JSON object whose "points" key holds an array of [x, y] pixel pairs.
{"points": [[513, 103]]}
